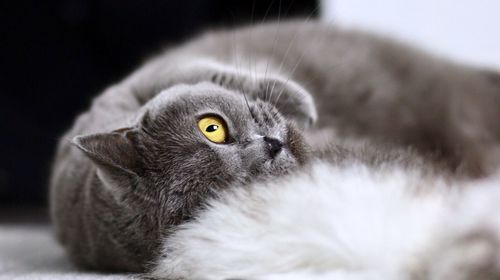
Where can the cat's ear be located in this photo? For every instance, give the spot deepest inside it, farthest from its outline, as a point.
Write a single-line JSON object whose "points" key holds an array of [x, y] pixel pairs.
{"points": [[115, 153]]}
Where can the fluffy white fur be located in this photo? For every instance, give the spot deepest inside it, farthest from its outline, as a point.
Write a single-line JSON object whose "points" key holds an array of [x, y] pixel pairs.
{"points": [[343, 223]]}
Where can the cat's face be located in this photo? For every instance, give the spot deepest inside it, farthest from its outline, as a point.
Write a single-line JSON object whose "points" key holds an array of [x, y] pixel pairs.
{"points": [[217, 135], [191, 142]]}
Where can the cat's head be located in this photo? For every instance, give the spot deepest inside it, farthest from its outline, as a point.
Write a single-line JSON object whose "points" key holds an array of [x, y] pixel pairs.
{"points": [[189, 143]]}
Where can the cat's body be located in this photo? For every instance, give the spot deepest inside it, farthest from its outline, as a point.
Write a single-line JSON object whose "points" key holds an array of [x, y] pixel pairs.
{"points": [[136, 179], [343, 221]]}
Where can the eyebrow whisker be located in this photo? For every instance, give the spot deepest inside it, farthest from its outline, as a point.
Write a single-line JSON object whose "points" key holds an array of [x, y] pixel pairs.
{"points": [[248, 105]]}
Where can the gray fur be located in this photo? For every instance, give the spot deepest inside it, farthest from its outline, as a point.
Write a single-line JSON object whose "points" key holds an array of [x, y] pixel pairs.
{"points": [[145, 168], [154, 168]]}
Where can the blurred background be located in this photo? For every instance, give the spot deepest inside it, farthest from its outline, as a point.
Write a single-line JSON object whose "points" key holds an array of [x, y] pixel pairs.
{"points": [[56, 55], [466, 30]]}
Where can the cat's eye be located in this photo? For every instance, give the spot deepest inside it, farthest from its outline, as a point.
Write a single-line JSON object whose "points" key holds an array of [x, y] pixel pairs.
{"points": [[213, 128]]}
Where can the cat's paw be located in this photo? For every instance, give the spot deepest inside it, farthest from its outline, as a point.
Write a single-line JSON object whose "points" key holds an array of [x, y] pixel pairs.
{"points": [[475, 255], [292, 100]]}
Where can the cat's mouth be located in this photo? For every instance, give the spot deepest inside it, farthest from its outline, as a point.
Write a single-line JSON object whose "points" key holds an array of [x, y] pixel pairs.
{"points": [[270, 157], [283, 157]]}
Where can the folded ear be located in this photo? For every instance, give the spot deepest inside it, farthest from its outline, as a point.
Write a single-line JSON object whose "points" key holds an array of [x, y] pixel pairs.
{"points": [[114, 153]]}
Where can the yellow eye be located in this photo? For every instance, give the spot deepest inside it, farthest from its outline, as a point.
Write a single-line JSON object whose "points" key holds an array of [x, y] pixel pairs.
{"points": [[213, 128]]}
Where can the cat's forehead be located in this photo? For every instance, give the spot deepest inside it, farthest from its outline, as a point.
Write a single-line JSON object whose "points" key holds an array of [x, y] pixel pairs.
{"points": [[197, 99], [183, 105]]}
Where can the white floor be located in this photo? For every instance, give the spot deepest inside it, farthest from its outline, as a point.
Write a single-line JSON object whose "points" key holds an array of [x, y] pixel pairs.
{"points": [[30, 252]]}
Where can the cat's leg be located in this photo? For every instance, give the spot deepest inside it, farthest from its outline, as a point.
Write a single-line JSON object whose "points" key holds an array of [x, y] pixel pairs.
{"points": [[467, 243], [475, 255], [452, 115]]}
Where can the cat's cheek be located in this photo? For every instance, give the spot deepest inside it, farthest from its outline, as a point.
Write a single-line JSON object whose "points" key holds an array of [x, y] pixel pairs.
{"points": [[230, 159], [254, 157], [111, 185]]}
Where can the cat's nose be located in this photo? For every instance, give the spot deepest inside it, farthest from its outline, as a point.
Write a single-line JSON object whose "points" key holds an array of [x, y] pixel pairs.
{"points": [[273, 146]]}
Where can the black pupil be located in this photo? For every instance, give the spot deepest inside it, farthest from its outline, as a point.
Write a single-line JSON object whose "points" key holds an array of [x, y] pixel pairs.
{"points": [[212, 128]]}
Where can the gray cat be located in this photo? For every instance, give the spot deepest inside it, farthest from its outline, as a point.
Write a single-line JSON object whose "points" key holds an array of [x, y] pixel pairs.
{"points": [[235, 107]]}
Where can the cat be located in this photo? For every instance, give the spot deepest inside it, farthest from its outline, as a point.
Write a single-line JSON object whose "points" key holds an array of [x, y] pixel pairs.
{"points": [[248, 105], [155, 165]]}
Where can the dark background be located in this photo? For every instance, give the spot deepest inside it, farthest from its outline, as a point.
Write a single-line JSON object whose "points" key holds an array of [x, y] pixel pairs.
{"points": [[56, 55]]}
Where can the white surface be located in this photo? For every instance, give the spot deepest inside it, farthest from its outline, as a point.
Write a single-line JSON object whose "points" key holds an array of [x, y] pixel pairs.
{"points": [[465, 30], [30, 252]]}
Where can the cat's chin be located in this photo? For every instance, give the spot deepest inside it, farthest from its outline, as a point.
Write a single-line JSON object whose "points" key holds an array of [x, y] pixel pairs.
{"points": [[283, 164], [297, 145]]}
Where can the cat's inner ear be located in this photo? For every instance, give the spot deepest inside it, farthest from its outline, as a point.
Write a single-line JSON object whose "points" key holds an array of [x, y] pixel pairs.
{"points": [[114, 152]]}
